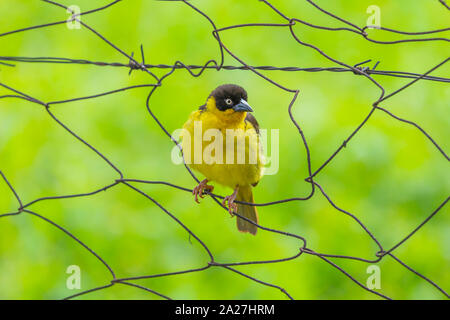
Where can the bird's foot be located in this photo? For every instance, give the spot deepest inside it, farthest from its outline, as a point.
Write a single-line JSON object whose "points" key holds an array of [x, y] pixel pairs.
{"points": [[232, 207], [202, 186]]}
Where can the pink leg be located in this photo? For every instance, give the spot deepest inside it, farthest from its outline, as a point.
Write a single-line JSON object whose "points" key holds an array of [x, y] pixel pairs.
{"points": [[230, 199], [198, 190]]}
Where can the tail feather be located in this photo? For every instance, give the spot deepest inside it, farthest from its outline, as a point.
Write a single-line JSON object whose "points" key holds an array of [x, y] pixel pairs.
{"points": [[245, 194]]}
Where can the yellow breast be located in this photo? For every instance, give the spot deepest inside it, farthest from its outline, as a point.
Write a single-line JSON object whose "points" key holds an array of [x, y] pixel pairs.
{"points": [[222, 146]]}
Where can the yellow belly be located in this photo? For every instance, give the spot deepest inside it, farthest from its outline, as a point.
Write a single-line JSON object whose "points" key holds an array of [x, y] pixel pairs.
{"points": [[237, 161]]}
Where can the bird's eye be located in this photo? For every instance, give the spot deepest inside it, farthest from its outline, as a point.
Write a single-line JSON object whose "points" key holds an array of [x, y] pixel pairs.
{"points": [[228, 101]]}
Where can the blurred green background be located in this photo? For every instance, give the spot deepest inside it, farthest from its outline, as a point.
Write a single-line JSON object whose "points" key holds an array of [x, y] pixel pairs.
{"points": [[390, 176]]}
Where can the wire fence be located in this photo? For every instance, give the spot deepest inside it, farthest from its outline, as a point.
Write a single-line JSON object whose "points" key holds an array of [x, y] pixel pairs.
{"points": [[196, 71]]}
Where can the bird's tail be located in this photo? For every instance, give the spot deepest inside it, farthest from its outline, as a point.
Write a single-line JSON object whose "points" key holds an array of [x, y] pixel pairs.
{"points": [[245, 194]]}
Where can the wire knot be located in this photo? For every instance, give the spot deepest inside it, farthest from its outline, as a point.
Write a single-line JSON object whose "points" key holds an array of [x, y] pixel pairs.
{"points": [[364, 32], [362, 70], [134, 65], [305, 250], [381, 253]]}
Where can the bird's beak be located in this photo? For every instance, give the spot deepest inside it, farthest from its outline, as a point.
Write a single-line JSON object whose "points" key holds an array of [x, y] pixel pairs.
{"points": [[243, 106]]}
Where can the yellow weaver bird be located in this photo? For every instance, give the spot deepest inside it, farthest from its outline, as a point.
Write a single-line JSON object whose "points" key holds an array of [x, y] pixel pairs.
{"points": [[233, 158]]}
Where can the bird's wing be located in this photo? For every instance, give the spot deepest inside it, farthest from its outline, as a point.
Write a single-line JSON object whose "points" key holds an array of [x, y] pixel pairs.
{"points": [[250, 118]]}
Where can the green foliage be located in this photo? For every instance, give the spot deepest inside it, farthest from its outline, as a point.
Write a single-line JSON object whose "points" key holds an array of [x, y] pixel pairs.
{"points": [[390, 176]]}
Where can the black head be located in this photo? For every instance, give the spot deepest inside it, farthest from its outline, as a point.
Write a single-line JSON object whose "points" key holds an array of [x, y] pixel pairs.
{"points": [[231, 96]]}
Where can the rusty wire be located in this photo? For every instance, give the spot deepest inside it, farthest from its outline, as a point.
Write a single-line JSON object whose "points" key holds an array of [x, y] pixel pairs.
{"points": [[196, 71]]}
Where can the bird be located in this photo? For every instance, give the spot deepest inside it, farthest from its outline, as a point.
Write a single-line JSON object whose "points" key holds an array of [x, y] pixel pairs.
{"points": [[226, 113]]}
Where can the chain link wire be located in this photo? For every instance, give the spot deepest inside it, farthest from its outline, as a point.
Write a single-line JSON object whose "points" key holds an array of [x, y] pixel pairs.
{"points": [[196, 71]]}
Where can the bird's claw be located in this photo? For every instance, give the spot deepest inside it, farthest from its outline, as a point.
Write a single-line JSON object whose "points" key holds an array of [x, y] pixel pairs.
{"points": [[198, 190], [232, 207]]}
